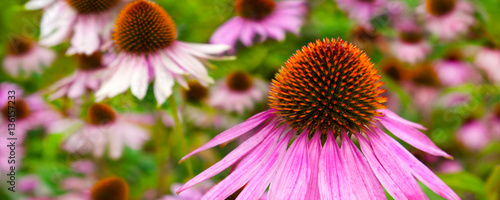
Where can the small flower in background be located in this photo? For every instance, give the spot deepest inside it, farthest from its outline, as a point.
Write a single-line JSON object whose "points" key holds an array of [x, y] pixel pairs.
{"points": [[25, 55], [424, 87], [85, 78], [87, 22], [146, 47], [237, 92], [112, 188], [362, 10], [449, 167], [106, 128], [473, 135], [452, 99], [448, 19], [488, 59], [329, 91], [454, 71], [410, 45], [261, 19]]}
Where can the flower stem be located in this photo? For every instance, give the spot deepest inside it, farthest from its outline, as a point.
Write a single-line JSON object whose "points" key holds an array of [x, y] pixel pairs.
{"points": [[179, 132]]}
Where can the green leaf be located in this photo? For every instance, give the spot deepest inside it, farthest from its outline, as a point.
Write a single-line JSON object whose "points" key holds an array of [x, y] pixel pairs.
{"points": [[492, 187], [464, 181]]}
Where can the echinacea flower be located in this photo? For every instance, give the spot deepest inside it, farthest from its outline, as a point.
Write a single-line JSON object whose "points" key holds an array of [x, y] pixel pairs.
{"points": [[410, 46], [327, 91], [449, 167], [452, 71], [424, 87], [261, 19], [87, 22], [447, 19], [488, 59], [86, 77], [112, 188], [237, 92], [473, 135], [362, 10], [146, 47], [104, 127], [24, 54]]}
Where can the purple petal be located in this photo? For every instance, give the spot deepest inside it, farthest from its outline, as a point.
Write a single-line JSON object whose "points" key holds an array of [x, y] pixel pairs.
{"points": [[362, 180], [292, 177], [234, 132], [331, 170], [232, 157], [314, 154], [388, 113], [418, 169]]}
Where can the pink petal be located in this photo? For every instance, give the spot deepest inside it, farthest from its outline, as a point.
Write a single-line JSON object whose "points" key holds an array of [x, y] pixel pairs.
{"points": [[396, 117], [314, 155], [331, 172], [292, 177]]}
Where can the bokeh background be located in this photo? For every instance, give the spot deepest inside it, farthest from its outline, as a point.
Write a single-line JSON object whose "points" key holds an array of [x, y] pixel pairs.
{"points": [[473, 174]]}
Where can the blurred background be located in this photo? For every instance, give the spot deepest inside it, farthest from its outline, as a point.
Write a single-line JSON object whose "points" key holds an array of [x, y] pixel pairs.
{"points": [[451, 86]]}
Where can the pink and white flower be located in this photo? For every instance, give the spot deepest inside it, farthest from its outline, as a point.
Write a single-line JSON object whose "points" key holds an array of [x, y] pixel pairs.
{"points": [[261, 19], [25, 55], [106, 129], [455, 72], [410, 46], [87, 22], [145, 47], [237, 92], [488, 59], [363, 10], [473, 135], [448, 19]]}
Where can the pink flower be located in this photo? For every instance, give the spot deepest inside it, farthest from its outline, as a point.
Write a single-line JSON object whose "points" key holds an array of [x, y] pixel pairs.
{"points": [[237, 92], [107, 129], [261, 19], [27, 56], [88, 23], [86, 77], [488, 60], [454, 72], [410, 46], [473, 135], [145, 47], [450, 166], [194, 193], [448, 18], [334, 101], [362, 10]]}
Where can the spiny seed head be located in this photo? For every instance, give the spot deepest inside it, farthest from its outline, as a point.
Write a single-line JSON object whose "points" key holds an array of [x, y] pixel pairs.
{"points": [[239, 81], [196, 92], [254, 9], [92, 6], [440, 7], [112, 188], [21, 109], [327, 85], [411, 37], [394, 69], [425, 75], [19, 45], [100, 114], [143, 27], [89, 62]]}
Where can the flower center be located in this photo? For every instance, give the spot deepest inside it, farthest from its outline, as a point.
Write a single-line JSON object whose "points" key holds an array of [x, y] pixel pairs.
{"points": [[239, 81], [92, 6], [21, 109], [254, 9], [497, 111], [425, 75], [100, 114], [327, 85], [363, 35], [143, 27], [454, 55], [411, 37], [89, 62], [393, 69], [112, 188], [367, 1], [19, 45], [196, 92], [440, 7]]}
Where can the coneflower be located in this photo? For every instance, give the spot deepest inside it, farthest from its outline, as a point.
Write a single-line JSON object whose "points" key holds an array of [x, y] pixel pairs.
{"points": [[326, 92], [145, 47], [410, 45], [447, 19], [362, 10], [258, 20], [112, 188], [26, 56]]}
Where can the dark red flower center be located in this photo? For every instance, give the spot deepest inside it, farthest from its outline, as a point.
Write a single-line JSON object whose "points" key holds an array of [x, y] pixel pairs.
{"points": [[100, 114], [393, 69], [367, 1], [19, 45], [440, 7], [327, 85], [112, 188], [254, 9], [89, 62], [143, 27], [425, 75], [363, 35], [92, 6], [196, 92], [19, 110], [411, 37], [239, 81]]}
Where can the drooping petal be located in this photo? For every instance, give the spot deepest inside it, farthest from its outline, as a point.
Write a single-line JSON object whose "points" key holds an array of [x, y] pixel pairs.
{"points": [[331, 171], [233, 132], [292, 177], [396, 117]]}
